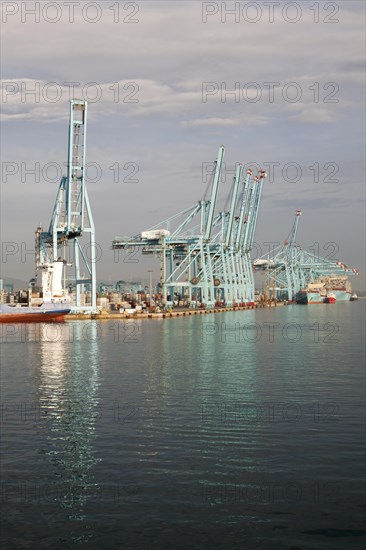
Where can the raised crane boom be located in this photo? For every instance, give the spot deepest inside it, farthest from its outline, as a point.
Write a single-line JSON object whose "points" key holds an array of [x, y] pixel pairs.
{"points": [[291, 239], [234, 199], [253, 210], [215, 188], [241, 219]]}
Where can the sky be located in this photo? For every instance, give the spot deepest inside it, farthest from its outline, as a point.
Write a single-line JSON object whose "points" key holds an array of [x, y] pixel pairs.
{"points": [[279, 84]]}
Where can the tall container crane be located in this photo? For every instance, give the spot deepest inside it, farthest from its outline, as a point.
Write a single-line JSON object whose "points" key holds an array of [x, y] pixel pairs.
{"points": [[204, 259], [292, 268], [71, 220]]}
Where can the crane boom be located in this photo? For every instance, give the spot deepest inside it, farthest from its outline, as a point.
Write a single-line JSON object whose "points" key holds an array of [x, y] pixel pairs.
{"points": [[234, 199], [215, 188]]}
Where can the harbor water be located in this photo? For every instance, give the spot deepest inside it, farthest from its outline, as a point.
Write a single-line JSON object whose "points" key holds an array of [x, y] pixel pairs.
{"points": [[236, 430]]}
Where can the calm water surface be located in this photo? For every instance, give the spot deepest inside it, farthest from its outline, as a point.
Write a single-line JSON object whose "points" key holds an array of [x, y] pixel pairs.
{"points": [[236, 430]]}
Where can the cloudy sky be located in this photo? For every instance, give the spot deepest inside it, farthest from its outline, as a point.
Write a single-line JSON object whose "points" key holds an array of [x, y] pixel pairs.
{"points": [[280, 84]]}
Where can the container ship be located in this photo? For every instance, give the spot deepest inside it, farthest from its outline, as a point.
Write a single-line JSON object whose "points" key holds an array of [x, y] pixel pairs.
{"points": [[340, 286], [328, 290], [315, 293]]}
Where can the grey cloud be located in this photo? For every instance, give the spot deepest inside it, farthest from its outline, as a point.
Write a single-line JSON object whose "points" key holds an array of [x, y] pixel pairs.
{"points": [[171, 132]]}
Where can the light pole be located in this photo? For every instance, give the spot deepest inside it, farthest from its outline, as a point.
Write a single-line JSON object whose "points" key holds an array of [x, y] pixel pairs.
{"points": [[150, 271]]}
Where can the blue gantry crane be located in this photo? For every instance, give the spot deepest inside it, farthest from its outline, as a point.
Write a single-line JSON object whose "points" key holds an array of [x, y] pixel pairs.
{"points": [[292, 269], [71, 222], [204, 254]]}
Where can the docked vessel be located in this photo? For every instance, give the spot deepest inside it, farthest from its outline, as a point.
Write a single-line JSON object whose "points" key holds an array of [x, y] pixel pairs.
{"points": [[53, 304], [32, 314], [313, 294], [329, 290], [330, 297], [354, 297], [342, 294], [340, 285]]}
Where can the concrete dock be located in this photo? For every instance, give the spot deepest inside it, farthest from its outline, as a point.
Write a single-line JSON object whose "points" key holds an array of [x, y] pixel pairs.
{"points": [[181, 312]]}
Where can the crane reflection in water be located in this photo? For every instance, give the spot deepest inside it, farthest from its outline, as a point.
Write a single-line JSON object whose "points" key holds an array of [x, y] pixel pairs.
{"points": [[68, 389]]}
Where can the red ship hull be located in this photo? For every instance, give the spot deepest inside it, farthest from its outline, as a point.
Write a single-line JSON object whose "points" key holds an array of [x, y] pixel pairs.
{"points": [[41, 317]]}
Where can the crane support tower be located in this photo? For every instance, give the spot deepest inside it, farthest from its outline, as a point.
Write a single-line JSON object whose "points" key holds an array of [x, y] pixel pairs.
{"points": [[71, 220]]}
